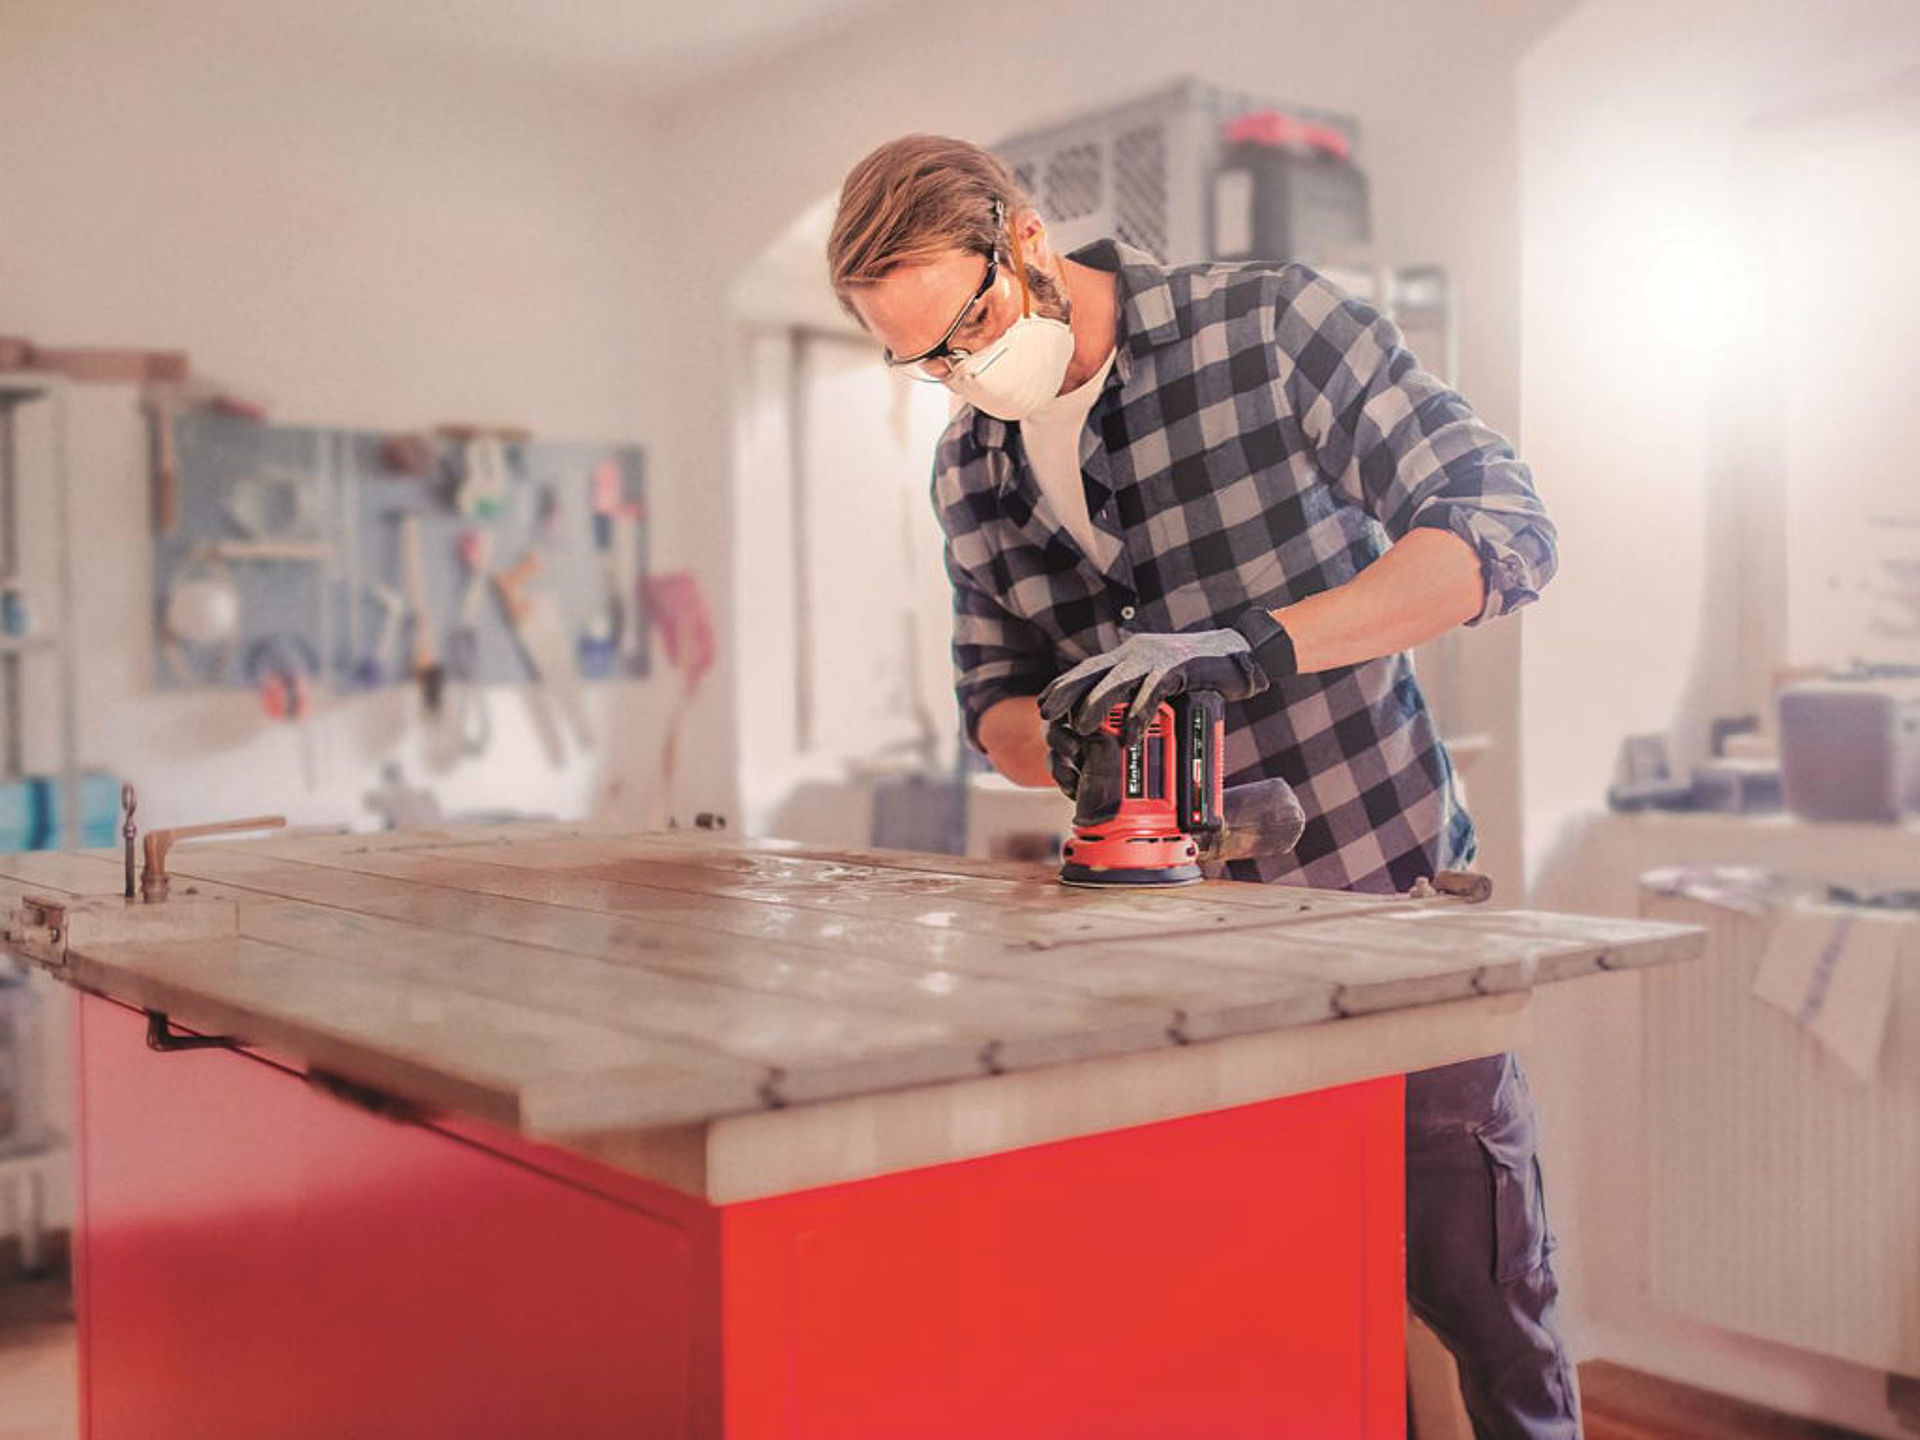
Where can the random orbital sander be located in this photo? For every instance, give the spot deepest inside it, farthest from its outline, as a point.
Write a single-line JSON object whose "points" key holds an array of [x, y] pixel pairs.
{"points": [[1149, 812]]}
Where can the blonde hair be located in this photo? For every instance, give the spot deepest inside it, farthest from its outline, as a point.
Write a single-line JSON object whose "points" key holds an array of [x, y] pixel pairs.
{"points": [[913, 199]]}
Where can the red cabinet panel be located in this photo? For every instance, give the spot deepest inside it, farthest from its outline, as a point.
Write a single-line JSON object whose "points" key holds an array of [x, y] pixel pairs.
{"points": [[259, 1259], [1238, 1274]]}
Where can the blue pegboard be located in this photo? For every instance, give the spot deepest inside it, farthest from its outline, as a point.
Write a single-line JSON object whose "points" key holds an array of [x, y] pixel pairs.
{"points": [[244, 483]]}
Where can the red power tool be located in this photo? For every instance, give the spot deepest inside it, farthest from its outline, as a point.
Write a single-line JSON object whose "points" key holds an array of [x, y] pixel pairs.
{"points": [[1168, 791], [1148, 813]]}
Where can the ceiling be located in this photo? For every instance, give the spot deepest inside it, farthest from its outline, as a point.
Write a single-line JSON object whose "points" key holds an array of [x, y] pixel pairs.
{"points": [[658, 49], [1887, 105]]}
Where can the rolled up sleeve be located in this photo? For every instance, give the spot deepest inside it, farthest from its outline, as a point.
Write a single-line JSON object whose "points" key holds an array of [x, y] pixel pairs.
{"points": [[1406, 447]]}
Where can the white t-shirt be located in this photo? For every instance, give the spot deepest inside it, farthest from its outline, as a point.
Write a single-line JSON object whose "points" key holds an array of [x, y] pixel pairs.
{"points": [[1052, 437]]}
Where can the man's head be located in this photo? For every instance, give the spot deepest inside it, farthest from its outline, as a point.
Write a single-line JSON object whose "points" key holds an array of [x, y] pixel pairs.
{"points": [[937, 252]]}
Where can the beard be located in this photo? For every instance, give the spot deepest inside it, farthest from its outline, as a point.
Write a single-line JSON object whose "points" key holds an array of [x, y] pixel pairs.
{"points": [[1050, 297]]}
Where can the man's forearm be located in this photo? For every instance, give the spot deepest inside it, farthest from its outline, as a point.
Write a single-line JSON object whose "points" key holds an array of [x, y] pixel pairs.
{"points": [[1015, 739], [1428, 582]]}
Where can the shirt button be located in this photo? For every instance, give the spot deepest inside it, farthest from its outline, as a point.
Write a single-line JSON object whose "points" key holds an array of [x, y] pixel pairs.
{"points": [[1126, 612]]}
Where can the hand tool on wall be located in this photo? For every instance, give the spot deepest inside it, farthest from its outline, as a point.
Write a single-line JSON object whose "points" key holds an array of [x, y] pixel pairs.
{"points": [[381, 664], [471, 726], [482, 491], [546, 524], [1150, 812], [616, 535], [624, 562], [426, 657], [202, 611], [544, 643], [476, 553], [286, 667], [170, 391], [282, 666]]}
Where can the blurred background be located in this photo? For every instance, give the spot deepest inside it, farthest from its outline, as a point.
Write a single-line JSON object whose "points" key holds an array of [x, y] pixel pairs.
{"points": [[440, 412]]}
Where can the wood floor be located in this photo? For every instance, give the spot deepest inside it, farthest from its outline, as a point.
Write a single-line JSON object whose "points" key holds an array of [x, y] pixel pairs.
{"points": [[39, 1385], [1623, 1404]]}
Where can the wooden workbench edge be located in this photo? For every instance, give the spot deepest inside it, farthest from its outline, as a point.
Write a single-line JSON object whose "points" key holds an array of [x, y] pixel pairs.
{"points": [[801, 1147]]}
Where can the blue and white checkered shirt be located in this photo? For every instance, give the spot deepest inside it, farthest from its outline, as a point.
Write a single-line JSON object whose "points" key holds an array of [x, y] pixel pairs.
{"points": [[1262, 437]]}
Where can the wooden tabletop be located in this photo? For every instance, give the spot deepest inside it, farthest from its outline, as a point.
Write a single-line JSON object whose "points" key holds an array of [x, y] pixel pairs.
{"points": [[561, 982]]}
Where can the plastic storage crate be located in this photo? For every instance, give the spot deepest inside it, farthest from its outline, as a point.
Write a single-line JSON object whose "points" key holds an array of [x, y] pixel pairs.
{"points": [[1142, 171], [30, 813]]}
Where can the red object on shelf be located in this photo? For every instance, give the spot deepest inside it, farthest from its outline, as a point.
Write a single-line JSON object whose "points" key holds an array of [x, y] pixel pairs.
{"points": [[1284, 131], [261, 1259]]}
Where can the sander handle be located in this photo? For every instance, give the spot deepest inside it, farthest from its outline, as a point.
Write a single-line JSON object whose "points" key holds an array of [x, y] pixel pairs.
{"points": [[1200, 728]]}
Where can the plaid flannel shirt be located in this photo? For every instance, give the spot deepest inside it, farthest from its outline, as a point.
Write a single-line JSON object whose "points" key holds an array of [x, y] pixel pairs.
{"points": [[1261, 437]]}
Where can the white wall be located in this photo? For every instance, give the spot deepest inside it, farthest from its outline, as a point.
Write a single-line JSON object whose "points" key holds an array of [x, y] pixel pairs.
{"points": [[1641, 175], [1431, 85], [369, 235], [876, 611], [1659, 449]]}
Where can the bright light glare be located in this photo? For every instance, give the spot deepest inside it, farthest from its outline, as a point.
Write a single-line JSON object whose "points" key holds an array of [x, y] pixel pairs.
{"points": [[1694, 290]]}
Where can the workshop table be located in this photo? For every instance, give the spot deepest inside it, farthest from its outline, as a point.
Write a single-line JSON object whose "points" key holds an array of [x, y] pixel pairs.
{"points": [[537, 1131]]}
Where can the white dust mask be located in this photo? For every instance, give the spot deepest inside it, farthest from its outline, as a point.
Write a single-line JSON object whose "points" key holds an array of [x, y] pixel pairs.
{"points": [[1019, 372]]}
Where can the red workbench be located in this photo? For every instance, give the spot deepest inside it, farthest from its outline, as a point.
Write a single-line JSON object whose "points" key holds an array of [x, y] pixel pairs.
{"points": [[536, 1133]]}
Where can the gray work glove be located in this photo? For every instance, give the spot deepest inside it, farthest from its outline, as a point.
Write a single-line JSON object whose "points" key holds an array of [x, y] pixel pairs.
{"points": [[1145, 670], [1087, 770], [1066, 756]]}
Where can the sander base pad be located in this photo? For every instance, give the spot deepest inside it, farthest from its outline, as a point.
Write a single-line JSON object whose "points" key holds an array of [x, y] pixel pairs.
{"points": [[1102, 878]]}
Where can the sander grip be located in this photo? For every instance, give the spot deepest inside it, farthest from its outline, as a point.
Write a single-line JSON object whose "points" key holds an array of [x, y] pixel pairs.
{"points": [[1200, 722]]}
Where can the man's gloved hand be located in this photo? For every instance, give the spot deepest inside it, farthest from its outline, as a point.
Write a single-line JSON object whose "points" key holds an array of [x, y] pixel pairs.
{"points": [[1066, 756], [1146, 669], [1087, 770]]}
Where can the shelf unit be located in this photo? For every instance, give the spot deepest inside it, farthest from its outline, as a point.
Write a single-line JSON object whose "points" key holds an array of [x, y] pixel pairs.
{"points": [[30, 1156], [22, 391]]}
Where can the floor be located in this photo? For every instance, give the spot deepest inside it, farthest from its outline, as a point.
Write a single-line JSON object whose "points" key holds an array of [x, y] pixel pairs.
{"points": [[1623, 1404], [39, 1359], [39, 1386], [39, 1383]]}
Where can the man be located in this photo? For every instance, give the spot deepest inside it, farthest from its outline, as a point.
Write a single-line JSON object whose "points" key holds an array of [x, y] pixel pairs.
{"points": [[1235, 478]]}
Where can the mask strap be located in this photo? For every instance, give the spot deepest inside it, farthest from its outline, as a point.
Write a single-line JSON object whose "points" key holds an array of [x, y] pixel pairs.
{"points": [[1019, 269]]}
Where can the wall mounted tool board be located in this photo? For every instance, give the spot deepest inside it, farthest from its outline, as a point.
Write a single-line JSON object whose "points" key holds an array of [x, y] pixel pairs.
{"points": [[286, 535]]}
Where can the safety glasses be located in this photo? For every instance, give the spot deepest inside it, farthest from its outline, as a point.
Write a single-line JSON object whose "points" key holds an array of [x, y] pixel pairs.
{"points": [[936, 363]]}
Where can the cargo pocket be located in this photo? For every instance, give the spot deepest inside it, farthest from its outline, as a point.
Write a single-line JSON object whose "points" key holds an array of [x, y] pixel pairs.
{"points": [[1510, 1140]]}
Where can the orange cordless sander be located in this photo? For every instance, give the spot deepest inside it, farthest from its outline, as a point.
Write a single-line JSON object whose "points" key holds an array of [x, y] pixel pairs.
{"points": [[1150, 812]]}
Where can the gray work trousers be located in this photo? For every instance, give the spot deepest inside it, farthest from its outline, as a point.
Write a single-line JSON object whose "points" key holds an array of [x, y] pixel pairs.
{"points": [[1479, 1271]]}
